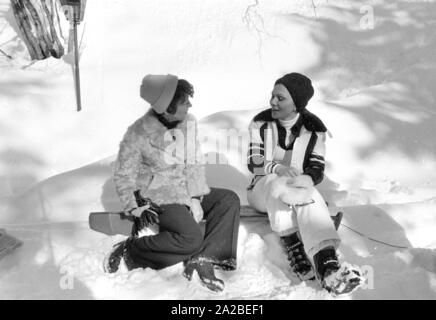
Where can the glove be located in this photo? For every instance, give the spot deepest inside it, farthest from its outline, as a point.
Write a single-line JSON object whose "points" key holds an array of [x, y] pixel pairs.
{"points": [[303, 181], [146, 214], [296, 191], [196, 209], [282, 170]]}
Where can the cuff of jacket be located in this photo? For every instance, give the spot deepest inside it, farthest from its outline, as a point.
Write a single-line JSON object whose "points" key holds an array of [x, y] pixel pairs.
{"points": [[270, 167], [196, 182], [129, 203], [129, 208], [197, 191]]}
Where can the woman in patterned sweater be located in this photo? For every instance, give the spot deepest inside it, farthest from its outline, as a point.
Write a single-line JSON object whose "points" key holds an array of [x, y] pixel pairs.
{"points": [[286, 156]]}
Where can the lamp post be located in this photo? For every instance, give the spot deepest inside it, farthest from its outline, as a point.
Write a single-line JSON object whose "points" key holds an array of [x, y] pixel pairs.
{"points": [[74, 11]]}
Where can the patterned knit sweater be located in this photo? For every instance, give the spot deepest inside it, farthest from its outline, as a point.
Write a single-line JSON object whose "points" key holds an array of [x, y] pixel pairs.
{"points": [[165, 165], [304, 151]]}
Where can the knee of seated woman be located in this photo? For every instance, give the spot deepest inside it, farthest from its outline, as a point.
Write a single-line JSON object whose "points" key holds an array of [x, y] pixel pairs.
{"points": [[227, 197], [232, 197], [191, 242], [279, 186]]}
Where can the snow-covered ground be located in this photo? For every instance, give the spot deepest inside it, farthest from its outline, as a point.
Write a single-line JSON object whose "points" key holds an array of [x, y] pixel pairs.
{"points": [[375, 90]]}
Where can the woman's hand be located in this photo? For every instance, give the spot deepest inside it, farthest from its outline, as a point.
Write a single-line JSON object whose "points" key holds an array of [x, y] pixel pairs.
{"points": [[284, 171], [148, 213], [303, 181], [196, 209]]}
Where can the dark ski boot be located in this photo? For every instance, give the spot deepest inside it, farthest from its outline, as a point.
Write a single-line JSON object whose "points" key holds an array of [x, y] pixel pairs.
{"points": [[336, 278], [205, 272], [297, 257]]}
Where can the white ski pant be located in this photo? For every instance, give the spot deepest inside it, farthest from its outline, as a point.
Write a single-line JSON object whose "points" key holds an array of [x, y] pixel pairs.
{"points": [[313, 220]]}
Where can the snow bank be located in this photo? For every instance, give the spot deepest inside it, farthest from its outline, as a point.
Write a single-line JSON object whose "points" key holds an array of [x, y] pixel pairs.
{"points": [[387, 230]]}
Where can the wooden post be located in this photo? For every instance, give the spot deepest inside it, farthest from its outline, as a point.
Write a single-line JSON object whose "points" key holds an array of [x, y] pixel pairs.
{"points": [[74, 11], [76, 67]]}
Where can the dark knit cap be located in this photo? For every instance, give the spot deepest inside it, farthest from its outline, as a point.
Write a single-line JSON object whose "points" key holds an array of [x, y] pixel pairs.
{"points": [[300, 88]]}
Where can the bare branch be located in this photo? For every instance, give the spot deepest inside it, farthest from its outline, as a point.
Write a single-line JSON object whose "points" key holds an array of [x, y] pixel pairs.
{"points": [[250, 17], [314, 8], [5, 54]]}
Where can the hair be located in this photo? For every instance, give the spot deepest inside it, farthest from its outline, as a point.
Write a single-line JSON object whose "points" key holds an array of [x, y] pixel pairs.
{"points": [[184, 89]]}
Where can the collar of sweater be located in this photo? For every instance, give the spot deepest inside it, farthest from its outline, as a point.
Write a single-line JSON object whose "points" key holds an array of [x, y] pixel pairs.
{"points": [[287, 124], [153, 126], [168, 124]]}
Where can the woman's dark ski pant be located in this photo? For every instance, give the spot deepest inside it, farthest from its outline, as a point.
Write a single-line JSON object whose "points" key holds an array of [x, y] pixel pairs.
{"points": [[181, 238]]}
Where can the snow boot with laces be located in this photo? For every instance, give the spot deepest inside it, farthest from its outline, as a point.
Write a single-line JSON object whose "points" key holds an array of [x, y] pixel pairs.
{"points": [[297, 257], [206, 273], [336, 278]]}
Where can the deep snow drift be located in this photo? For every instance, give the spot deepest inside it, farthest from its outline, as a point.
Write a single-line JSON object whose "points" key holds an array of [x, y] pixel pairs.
{"points": [[375, 91]]}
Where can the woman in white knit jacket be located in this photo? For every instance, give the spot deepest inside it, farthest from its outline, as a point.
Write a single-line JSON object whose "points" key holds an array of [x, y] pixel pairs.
{"points": [[160, 160], [286, 156]]}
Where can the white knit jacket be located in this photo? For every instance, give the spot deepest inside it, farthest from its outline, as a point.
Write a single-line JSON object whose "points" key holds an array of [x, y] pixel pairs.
{"points": [[165, 165]]}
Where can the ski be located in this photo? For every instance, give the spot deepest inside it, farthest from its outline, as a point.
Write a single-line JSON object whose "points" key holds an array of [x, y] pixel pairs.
{"points": [[117, 222]]}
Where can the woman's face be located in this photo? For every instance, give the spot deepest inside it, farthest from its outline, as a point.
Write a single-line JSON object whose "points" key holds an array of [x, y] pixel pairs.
{"points": [[182, 110], [282, 105]]}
